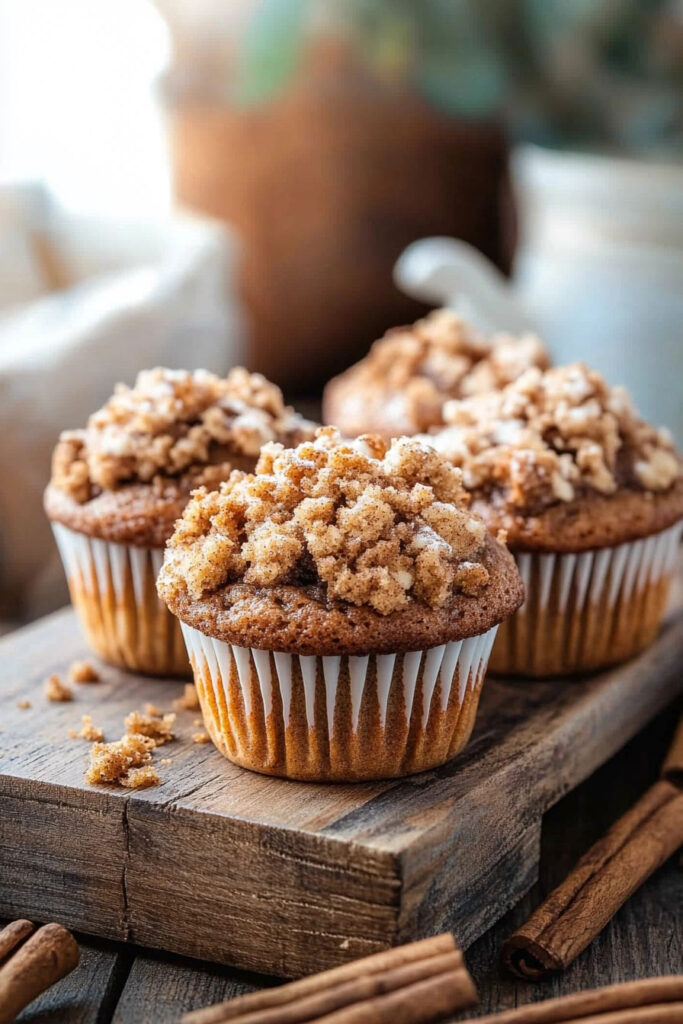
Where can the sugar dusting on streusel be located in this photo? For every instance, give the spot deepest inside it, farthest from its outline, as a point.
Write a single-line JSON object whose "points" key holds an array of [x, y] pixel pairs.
{"points": [[550, 436], [441, 357], [173, 422], [374, 524]]}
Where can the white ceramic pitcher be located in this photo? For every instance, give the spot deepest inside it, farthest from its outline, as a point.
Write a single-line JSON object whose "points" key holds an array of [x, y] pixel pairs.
{"points": [[598, 273]]}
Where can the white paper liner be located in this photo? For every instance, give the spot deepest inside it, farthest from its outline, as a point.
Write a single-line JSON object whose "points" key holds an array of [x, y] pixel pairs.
{"points": [[125, 621], [610, 580], [269, 680]]}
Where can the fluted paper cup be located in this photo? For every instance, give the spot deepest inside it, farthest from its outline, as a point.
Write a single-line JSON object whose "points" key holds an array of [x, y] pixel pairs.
{"points": [[589, 610], [113, 589], [343, 717]]}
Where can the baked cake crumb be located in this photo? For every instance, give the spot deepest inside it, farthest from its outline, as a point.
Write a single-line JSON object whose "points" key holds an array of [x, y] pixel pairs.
{"points": [[23, 705], [374, 524], [73, 734], [441, 356], [170, 423], [57, 691], [83, 672], [141, 778], [155, 727], [90, 732], [550, 436], [189, 700], [200, 737], [124, 762], [152, 709], [166, 760]]}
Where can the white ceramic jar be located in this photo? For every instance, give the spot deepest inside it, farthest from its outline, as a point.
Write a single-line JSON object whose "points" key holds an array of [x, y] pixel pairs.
{"points": [[598, 272]]}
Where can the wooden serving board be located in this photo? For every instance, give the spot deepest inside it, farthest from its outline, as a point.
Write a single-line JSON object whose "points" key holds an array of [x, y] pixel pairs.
{"points": [[285, 877]]}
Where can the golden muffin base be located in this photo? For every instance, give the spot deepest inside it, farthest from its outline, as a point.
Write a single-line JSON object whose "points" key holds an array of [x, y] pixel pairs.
{"points": [[113, 589], [339, 718], [587, 611]]}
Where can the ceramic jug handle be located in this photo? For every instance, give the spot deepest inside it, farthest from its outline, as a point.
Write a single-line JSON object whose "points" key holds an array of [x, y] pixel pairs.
{"points": [[448, 272]]}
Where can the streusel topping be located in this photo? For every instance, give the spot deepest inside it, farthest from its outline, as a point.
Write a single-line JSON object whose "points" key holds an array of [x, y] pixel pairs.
{"points": [[374, 525], [442, 357], [171, 423], [550, 436]]}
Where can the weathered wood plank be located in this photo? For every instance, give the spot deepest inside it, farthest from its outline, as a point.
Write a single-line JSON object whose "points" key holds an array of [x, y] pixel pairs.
{"points": [[159, 991], [308, 875], [645, 938], [86, 996]]}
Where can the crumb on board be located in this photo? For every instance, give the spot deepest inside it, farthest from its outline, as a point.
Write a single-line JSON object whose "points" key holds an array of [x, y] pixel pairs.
{"points": [[345, 944], [141, 778], [166, 760], [126, 762], [200, 737], [196, 721], [154, 710], [23, 705], [83, 672], [73, 734], [156, 727], [90, 732], [55, 690], [189, 700]]}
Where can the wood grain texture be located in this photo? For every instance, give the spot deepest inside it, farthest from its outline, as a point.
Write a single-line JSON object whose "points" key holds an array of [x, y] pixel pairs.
{"points": [[87, 995], [286, 877], [159, 991], [644, 939]]}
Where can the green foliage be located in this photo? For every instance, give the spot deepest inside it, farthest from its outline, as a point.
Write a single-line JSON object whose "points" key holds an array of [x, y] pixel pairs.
{"points": [[272, 50], [574, 71]]}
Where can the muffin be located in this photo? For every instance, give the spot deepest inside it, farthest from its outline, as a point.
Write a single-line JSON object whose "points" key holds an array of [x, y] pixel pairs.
{"points": [[339, 607], [401, 385], [591, 499], [118, 487]]}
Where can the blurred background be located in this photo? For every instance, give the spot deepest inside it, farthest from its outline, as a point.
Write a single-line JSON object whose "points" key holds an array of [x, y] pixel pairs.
{"points": [[211, 181]]}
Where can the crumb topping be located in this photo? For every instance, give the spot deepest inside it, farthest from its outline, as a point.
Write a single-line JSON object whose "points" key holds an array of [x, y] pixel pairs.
{"points": [[374, 525], [200, 737], [170, 424], [83, 672], [442, 357], [553, 435], [127, 762], [154, 726], [90, 732], [55, 690], [189, 700]]}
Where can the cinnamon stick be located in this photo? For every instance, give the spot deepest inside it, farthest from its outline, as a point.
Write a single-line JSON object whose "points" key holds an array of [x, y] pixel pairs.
{"points": [[580, 907], [646, 992], [357, 990], [422, 1003], [47, 956], [672, 769], [357, 981], [12, 934]]}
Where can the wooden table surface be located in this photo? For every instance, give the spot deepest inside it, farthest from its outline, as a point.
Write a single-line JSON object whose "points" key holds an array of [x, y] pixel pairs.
{"points": [[120, 984]]}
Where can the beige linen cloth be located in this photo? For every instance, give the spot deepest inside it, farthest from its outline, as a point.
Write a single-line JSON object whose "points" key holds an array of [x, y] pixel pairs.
{"points": [[85, 303]]}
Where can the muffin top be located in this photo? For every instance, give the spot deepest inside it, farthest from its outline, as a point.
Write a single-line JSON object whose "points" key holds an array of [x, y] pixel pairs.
{"points": [[562, 461], [128, 474], [410, 372], [338, 547]]}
